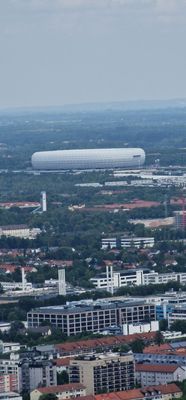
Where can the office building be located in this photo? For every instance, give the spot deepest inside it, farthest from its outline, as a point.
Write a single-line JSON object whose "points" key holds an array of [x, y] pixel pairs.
{"points": [[136, 277], [177, 313], [126, 242], [91, 316]]}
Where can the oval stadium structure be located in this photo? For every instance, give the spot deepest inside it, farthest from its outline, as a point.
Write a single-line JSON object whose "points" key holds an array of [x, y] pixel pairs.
{"points": [[88, 159]]}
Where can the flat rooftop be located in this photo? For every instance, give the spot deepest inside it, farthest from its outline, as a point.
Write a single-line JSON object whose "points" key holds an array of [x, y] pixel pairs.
{"points": [[90, 306]]}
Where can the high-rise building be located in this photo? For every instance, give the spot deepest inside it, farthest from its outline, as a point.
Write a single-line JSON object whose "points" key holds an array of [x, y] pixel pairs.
{"points": [[103, 372]]}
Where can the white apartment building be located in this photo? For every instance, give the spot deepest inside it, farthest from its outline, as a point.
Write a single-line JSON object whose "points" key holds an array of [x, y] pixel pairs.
{"points": [[158, 374]]}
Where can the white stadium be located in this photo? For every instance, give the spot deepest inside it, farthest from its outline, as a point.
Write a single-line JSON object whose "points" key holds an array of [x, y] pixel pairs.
{"points": [[88, 159]]}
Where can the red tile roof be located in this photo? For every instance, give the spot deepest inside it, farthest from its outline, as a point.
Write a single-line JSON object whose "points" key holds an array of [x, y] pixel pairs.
{"points": [[164, 368], [61, 388], [102, 342], [155, 349], [134, 394], [63, 361]]}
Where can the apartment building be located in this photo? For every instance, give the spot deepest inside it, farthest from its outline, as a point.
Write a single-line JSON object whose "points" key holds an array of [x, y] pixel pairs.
{"points": [[158, 374], [102, 344], [10, 369], [36, 373], [68, 391], [103, 372], [27, 375], [92, 316], [8, 383], [160, 392], [170, 357]]}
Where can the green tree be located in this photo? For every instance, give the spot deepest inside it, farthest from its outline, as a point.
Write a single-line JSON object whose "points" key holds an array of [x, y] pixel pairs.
{"points": [[62, 378], [159, 338], [137, 346], [48, 396]]}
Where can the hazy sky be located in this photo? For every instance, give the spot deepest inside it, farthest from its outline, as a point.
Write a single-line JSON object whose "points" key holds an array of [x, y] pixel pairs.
{"points": [[55, 52]]}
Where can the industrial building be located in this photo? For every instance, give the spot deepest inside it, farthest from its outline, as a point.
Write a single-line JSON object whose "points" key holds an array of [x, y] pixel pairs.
{"points": [[103, 373], [91, 316], [88, 159]]}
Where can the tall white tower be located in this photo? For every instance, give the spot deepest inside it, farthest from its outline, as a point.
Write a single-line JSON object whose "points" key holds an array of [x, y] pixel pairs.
{"points": [[61, 282], [43, 202], [23, 279], [109, 275]]}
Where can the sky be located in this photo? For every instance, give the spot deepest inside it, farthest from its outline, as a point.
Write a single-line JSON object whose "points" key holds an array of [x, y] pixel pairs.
{"points": [[55, 52]]}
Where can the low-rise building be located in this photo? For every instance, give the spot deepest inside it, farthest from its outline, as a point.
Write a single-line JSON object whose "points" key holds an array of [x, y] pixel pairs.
{"points": [[136, 277], [130, 329], [21, 231], [8, 347], [8, 286], [169, 357], [126, 242], [156, 374], [5, 326], [159, 392], [178, 313], [103, 372], [68, 391], [10, 396], [82, 347]]}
